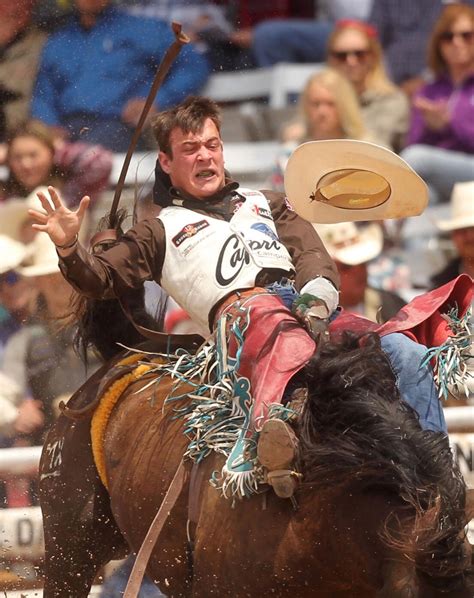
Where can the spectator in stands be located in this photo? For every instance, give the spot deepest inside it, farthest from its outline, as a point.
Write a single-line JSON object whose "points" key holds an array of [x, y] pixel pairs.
{"points": [[352, 248], [461, 228], [40, 357], [95, 74], [329, 109], [354, 50], [20, 48], [205, 23], [404, 27], [17, 295], [17, 414], [35, 158], [441, 136], [303, 40]]}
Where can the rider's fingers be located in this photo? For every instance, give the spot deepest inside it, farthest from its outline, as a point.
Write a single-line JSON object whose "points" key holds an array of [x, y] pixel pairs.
{"points": [[45, 202], [39, 216], [83, 206], [41, 227], [55, 197]]}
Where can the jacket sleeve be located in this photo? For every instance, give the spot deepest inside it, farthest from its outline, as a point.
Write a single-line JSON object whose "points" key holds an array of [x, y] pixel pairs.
{"points": [[137, 257], [310, 258]]}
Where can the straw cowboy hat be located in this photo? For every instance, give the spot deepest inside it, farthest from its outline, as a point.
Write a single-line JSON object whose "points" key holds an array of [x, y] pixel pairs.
{"points": [[350, 244], [344, 180], [14, 213], [462, 208], [12, 253], [42, 258]]}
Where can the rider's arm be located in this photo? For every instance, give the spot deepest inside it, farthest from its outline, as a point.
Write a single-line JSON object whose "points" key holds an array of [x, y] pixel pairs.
{"points": [[137, 257], [316, 272]]}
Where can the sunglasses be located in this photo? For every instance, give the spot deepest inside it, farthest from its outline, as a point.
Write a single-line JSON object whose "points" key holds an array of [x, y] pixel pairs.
{"points": [[448, 36], [344, 55], [9, 278]]}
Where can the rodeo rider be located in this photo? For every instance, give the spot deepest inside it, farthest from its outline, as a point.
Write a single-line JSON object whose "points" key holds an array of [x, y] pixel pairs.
{"points": [[213, 238]]}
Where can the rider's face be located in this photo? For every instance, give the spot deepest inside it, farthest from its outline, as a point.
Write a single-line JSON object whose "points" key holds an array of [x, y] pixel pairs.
{"points": [[196, 165]]}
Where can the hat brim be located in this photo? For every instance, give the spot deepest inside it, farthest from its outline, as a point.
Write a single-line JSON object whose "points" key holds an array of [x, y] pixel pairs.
{"points": [[14, 212], [354, 251], [455, 223], [39, 270], [405, 193], [365, 251]]}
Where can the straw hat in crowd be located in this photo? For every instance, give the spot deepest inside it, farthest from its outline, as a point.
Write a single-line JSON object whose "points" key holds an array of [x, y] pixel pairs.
{"points": [[41, 257], [14, 214], [344, 180], [462, 208], [350, 244], [12, 253]]}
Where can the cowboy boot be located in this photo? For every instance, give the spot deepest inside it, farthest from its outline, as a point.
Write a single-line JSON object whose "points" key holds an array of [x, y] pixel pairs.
{"points": [[276, 451]]}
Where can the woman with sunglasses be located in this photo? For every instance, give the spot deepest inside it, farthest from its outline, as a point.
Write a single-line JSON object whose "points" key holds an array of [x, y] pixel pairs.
{"points": [[355, 51], [441, 136]]}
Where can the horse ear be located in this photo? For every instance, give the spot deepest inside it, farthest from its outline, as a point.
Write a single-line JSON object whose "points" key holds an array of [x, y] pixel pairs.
{"points": [[470, 504]]}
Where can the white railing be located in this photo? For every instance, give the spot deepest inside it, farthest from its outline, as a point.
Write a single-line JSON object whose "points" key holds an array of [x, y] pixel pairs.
{"points": [[460, 420], [95, 593], [276, 84], [20, 460]]}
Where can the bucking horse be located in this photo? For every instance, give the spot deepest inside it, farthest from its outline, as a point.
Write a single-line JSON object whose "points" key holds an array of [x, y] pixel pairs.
{"points": [[380, 509]]}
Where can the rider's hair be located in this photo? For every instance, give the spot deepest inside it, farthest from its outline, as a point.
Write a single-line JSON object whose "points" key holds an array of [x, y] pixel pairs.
{"points": [[189, 116]]}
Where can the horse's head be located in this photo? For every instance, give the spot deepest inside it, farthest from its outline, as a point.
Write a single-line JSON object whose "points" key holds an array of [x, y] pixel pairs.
{"points": [[355, 432]]}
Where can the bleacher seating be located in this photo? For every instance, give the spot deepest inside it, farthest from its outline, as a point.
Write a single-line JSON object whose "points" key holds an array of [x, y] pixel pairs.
{"points": [[278, 85]]}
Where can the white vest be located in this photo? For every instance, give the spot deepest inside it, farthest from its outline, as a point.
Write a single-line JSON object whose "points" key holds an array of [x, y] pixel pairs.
{"points": [[206, 258]]}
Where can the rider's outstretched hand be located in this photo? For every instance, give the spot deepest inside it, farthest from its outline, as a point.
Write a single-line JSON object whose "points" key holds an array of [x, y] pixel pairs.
{"points": [[61, 223]]}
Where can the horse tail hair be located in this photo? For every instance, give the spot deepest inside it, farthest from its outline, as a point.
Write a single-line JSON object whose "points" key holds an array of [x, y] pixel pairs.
{"points": [[354, 426]]}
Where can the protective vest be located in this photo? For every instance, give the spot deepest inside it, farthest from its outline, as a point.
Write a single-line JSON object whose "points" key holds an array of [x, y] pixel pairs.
{"points": [[206, 259]]}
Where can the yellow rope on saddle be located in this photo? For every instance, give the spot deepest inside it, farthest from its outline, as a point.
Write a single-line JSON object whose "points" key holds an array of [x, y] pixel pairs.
{"points": [[108, 401]]}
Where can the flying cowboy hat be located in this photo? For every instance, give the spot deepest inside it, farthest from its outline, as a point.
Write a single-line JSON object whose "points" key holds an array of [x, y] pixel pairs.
{"points": [[345, 180]]}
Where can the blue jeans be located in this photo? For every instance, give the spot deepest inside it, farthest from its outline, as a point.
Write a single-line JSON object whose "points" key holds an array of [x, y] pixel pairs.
{"points": [[440, 168], [415, 383], [290, 40], [115, 585]]}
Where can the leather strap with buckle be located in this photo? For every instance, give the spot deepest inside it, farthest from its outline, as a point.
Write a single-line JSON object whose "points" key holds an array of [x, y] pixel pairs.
{"points": [[232, 298]]}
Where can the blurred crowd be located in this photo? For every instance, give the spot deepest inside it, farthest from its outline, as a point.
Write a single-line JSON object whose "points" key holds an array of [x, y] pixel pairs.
{"points": [[74, 76]]}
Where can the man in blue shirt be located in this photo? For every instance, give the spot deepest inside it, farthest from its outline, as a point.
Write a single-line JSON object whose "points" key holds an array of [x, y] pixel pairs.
{"points": [[95, 74]]}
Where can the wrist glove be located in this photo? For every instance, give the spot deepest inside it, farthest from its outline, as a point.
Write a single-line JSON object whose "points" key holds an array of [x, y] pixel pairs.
{"points": [[313, 313]]}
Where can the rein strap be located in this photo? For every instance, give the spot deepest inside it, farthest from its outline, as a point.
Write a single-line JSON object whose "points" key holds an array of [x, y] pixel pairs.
{"points": [[143, 556]]}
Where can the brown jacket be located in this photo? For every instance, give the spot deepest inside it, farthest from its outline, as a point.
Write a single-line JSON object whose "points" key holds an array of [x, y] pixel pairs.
{"points": [[140, 254]]}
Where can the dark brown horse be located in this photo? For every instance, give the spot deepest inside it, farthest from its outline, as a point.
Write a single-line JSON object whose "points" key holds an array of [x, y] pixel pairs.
{"points": [[380, 511]]}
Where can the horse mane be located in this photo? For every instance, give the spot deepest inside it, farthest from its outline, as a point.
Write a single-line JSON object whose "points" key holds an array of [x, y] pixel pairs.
{"points": [[354, 429]]}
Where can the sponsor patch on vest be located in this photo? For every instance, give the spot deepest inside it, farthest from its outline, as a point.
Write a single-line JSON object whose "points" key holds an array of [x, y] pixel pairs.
{"points": [[265, 229], [263, 212], [189, 231]]}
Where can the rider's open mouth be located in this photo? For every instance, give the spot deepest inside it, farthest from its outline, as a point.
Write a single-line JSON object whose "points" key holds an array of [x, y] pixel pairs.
{"points": [[205, 174]]}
